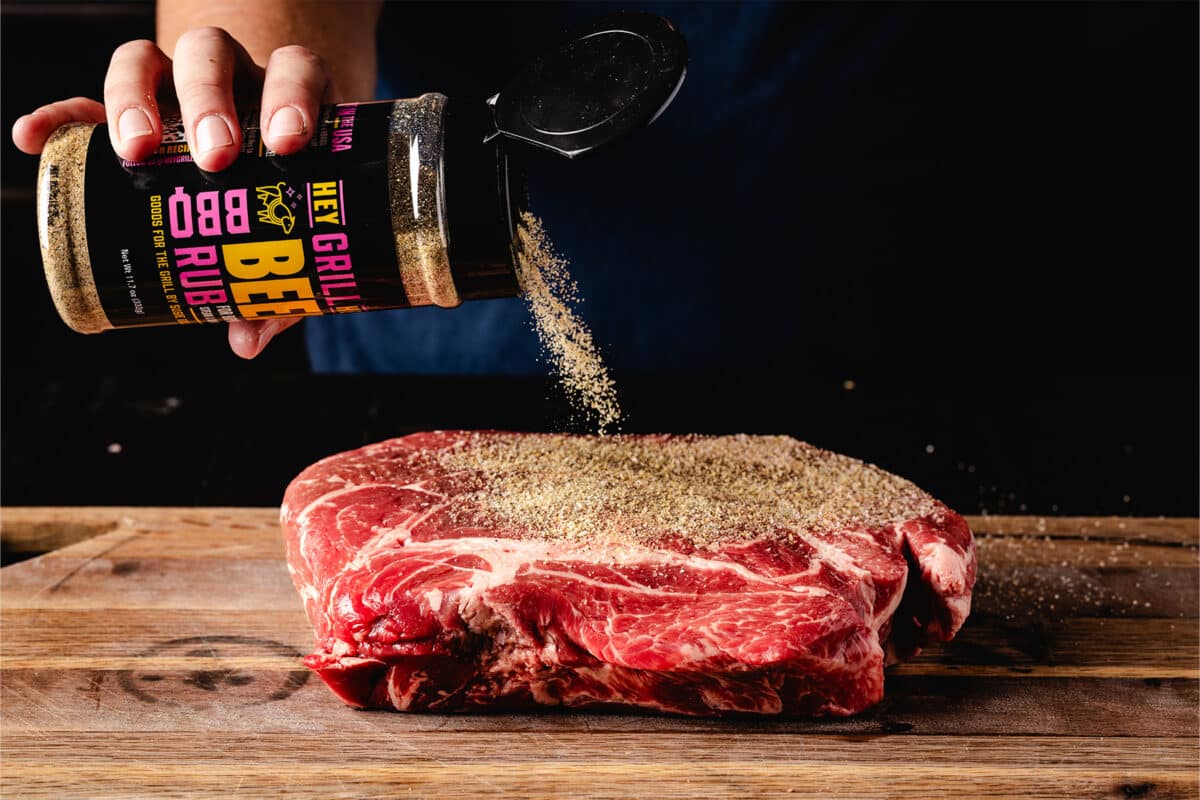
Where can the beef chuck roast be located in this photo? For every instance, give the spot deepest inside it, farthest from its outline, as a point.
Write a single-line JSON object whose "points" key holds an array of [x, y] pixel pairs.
{"points": [[453, 571]]}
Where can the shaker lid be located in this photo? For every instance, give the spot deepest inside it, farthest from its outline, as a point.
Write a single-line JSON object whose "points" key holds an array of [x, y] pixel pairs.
{"points": [[609, 77]]}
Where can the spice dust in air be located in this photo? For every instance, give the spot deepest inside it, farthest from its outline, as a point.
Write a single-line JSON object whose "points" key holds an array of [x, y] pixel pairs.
{"points": [[566, 340]]}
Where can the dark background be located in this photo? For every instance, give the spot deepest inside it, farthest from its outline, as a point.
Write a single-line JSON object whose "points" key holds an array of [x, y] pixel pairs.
{"points": [[1046, 361]]}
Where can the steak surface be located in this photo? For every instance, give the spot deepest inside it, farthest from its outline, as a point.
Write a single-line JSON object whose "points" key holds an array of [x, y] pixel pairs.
{"points": [[459, 571]]}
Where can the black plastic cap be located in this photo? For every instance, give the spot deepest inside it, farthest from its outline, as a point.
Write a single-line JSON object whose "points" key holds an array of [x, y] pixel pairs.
{"points": [[605, 79]]}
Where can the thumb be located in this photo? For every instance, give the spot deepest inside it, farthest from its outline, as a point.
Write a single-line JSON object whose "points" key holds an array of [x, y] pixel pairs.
{"points": [[247, 339], [30, 132]]}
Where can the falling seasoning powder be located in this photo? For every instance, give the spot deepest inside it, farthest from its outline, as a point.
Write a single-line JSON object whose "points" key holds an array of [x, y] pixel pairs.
{"points": [[567, 342]]}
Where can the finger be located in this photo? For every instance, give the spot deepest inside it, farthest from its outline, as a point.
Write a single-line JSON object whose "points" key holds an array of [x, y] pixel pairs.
{"points": [[296, 82], [130, 91], [205, 62], [247, 339], [30, 132]]}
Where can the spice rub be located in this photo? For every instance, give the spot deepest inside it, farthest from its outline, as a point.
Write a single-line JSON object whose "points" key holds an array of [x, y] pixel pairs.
{"points": [[566, 339], [640, 489]]}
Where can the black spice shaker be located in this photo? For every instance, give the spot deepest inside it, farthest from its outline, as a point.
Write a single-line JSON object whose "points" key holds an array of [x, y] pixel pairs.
{"points": [[392, 204]]}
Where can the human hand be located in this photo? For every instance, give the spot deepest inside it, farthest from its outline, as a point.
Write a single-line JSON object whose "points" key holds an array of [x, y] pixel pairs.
{"points": [[211, 71]]}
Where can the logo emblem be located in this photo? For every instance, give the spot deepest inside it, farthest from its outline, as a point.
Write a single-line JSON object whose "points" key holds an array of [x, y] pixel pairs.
{"points": [[274, 212]]}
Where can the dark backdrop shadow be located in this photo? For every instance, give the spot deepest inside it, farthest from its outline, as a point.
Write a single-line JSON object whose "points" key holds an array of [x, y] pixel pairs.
{"points": [[1069, 261]]}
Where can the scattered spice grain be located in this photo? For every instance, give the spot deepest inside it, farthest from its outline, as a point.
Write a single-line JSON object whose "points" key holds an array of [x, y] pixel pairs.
{"points": [[566, 340], [702, 489]]}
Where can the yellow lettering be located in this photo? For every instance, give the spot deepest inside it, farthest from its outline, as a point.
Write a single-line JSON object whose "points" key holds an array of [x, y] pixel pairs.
{"points": [[255, 260], [275, 289], [279, 309]]}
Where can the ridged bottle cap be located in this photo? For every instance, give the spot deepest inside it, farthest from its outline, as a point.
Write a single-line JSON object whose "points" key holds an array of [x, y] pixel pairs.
{"points": [[603, 80]]}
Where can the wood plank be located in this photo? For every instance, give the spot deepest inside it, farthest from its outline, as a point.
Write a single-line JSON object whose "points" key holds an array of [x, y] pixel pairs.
{"points": [[1025, 595], [1094, 647], [988, 646], [585, 780], [109, 581], [35, 530], [1016, 551], [588, 779], [451, 747], [597, 765], [181, 541], [1176, 530], [222, 695], [23, 538], [83, 634]]}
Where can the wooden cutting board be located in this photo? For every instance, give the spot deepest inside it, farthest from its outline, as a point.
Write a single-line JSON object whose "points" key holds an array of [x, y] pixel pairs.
{"points": [[155, 652]]}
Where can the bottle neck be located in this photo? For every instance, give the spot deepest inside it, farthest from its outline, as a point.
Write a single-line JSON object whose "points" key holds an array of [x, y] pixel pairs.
{"points": [[486, 193]]}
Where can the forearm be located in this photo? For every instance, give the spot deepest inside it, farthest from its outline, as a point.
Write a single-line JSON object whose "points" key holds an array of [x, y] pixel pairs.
{"points": [[343, 33]]}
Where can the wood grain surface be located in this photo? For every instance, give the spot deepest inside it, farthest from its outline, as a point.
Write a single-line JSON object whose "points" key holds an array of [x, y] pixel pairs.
{"points": [[155, 653]]}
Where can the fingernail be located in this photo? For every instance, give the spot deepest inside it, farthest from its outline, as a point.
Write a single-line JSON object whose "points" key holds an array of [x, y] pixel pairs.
{"points": [[286, 121], [133, 123], [211, 133]]}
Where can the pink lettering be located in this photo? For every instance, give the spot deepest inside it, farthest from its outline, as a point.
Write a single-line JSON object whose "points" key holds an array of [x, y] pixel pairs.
{"points": [[205, 298], [330, 242], [195, 256], [206, 214], [200, 278], [332, 263], [179, 210], [237, 218], [327, 290], [343, 129]]}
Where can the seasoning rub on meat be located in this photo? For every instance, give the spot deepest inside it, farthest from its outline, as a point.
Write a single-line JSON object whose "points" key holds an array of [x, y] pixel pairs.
{"points": [[458, 571]]}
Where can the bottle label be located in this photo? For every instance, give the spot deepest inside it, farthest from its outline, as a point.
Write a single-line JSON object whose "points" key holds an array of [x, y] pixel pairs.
{"points": [[270, 236]]}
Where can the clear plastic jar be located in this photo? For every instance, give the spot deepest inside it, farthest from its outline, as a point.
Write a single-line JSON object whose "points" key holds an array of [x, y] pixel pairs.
{"points": [[362, 219]]}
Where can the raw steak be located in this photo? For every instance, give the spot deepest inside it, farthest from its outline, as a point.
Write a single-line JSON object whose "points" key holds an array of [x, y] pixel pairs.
{"points": [[458, 571]]}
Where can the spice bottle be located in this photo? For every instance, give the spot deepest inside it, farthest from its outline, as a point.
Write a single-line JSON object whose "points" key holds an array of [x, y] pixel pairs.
{"points": [[392, 204]]}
